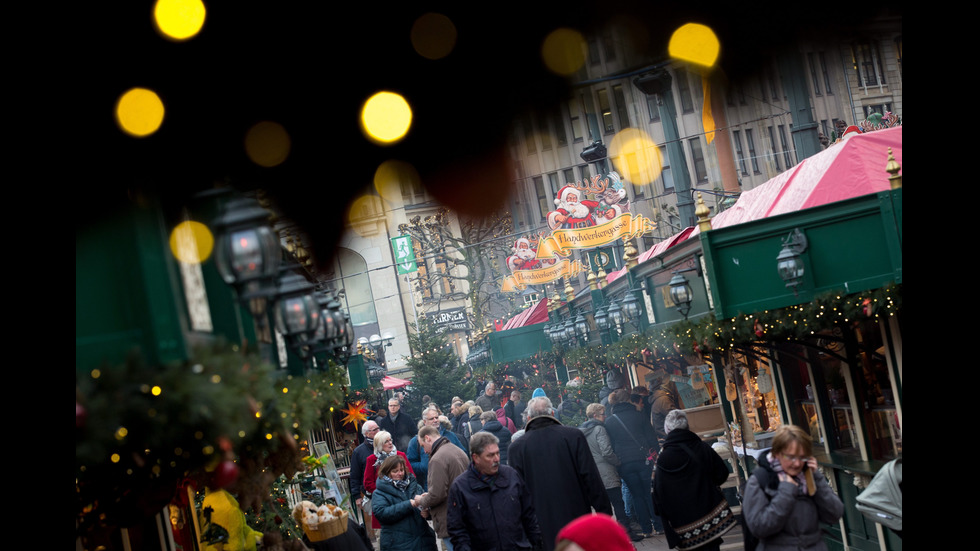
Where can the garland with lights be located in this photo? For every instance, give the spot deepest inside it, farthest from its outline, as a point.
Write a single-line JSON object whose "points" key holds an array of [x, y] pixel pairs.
{"points": [[224, 419]]}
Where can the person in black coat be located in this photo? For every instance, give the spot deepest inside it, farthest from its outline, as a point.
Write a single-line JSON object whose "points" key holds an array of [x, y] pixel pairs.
{"points": [[399, 424], [493, 426], [634, 440], [394, 501], [357, 461], [557, 464], [689, 473], [514, 409], [490, 505]]}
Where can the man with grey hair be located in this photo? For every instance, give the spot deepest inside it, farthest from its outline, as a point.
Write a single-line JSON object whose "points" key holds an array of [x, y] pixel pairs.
{"points": [[488, 400], [417, 455], [490, 504], [357, 463], [685, 487], [557, 464]]}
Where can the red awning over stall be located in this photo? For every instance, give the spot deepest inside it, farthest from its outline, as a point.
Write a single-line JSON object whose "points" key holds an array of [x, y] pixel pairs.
{"points": [[535, 314], [852, 168], [391, 383]]}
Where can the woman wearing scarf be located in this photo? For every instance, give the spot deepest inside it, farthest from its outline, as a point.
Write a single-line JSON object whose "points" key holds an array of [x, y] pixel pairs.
{"points": [[787, 497], [403, 527], [384, 447]]}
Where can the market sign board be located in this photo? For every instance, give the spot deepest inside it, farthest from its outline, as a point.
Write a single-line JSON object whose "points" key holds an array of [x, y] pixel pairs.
{"points": [[404, 254], [452, 320]]}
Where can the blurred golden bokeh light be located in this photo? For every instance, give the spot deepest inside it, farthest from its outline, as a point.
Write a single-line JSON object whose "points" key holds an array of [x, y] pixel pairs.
{"points": [[179, 19], [139, 112], [635, 156], [191, 242], [267, 144], [386, 117], [695, 43], [433, 36], [392, 177], [563, 51]]}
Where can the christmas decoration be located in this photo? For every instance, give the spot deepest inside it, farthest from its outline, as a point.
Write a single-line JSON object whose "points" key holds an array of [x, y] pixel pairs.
{"points": [[356, 413]]}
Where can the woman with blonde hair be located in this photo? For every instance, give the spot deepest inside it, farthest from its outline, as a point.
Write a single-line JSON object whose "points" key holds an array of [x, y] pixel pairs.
{"points": [[787, 497]]}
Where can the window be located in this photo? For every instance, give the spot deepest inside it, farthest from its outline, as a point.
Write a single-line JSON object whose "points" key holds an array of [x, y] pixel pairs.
{"points": [[529, 136], [594, 52], [412, 191], [813, 73], [880, 108], [555, 183], [543, 207], [606, 110], [785, 147], [620, 99], [772, 149], [684, 87], [867, 62], [583, 171], [545, 132], [576, 123], [569, 179], [826, 74], [559, 128], [666, 177], [824, 127], [653, 108], [423, 274], [608, 46], [698, 156], [752, 156], [739, 155], [350, 273]]}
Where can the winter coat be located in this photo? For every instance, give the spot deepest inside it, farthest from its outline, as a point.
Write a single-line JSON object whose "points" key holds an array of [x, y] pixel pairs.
{"points": [[402, 526], [357, 462], [487, 403], [507, 422], [602, 452], [502, 434], [402, 429], [686, 489], [783, 518], [515, 411], [557, 464], [492, 517], [472, 426], [371, 479], [420, 460], [447, 463], [632, 436]]}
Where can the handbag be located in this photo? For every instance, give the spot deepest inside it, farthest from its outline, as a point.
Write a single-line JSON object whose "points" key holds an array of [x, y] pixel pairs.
{"points": [[711, 526]]}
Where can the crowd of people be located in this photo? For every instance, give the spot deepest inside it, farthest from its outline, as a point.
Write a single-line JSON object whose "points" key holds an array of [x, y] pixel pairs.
{"points": [[488, 475]]}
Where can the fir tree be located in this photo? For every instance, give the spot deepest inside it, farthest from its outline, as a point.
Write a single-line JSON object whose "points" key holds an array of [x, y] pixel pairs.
{"points": [[436, 367]]}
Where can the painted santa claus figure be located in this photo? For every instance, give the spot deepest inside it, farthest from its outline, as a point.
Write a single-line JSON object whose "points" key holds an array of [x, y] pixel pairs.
{"points": [[572, 212], [523, 257]]}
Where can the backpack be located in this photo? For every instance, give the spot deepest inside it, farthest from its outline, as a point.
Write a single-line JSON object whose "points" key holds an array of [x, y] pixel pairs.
{"points": [[765, 480]]}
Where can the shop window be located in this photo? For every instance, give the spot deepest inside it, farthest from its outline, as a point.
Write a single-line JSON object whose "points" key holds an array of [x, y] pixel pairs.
{"points": [[874, 390]]}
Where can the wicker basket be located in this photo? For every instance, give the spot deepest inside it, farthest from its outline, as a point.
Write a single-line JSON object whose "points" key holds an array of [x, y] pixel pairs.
{"points": [[327, 529]]}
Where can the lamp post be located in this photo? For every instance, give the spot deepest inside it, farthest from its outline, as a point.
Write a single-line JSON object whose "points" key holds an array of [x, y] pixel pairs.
{"points": [[788, 262], [681, 293]]}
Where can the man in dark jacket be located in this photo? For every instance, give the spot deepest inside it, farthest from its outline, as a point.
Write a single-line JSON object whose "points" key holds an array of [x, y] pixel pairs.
{"points": [[688, 475], [492, 425], [357, 462], [400, 425], [633, 440], [557, 464], [614, 381], [514, 409], [490, 504]]}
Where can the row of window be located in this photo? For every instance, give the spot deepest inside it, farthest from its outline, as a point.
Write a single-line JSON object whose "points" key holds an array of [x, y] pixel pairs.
{"points": [[609, 111], [780, 133]]}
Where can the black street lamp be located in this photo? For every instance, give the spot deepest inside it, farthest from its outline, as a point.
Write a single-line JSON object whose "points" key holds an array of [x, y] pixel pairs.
{"points": [[247, 252]]}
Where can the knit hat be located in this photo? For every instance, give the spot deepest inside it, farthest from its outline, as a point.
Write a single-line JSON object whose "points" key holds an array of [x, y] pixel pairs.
{"points": [[538, 393], [596, 532]]}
